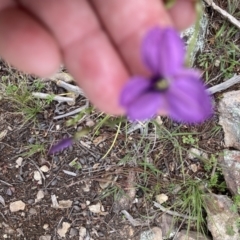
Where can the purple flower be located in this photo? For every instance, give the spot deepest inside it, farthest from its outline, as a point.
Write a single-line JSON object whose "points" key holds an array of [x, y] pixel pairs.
{"points": [[172, 88], [64, 143]]}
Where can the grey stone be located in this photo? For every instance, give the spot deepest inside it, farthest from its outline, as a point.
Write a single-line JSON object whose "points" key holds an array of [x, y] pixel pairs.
{"points": [[152, 234], [54, 182], [196, 153], [190, 235], [229, 118], [30, 201], [76, 208], [167, 225], [200, 33], [73, 232], [230, 164], [32, 211], [221, 220]]}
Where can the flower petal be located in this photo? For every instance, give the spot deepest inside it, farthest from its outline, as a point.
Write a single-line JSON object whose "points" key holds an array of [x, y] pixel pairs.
{"points": [[134, 87], [163, 51], [145, 107], [64, 143], [188, 100]]}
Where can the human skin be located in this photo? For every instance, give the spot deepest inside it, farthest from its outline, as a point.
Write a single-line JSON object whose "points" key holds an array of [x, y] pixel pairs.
{"points": [[97, 40]]}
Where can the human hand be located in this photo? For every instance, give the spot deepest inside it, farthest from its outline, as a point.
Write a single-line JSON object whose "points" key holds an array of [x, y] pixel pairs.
{"points": [[98, 41]]}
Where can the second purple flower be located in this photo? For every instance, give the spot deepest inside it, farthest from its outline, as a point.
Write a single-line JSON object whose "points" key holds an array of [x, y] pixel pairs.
{"points": [[172, 88]]}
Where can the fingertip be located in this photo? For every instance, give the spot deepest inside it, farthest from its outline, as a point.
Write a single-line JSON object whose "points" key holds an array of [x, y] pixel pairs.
{"points": [[26, 44], [98, 70], [183, 14]]}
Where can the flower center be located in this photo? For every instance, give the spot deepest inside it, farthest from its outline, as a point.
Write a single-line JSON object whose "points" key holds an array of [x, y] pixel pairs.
{"points": [[162, 84]]}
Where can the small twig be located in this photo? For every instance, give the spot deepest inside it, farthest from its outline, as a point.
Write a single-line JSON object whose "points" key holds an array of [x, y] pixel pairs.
{"points": [[214, 169], [8, 184], [58, 225], [176, 214], [231, 19], [114, 141], [222, 86], [175, 235], [70, 173], [213, 79], [4, 217], [55, 98], [70, 87], [134, 222], [72, 112]]}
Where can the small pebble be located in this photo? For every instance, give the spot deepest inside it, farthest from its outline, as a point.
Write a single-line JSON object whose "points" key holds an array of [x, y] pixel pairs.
{"points": [[44, 168], [45, 226], [73, 232], [17, 206], [56, 159], [9, 192], [77, 208], [54, 182], [82, 161], [32, 211], [31, 140], [30, 201]]}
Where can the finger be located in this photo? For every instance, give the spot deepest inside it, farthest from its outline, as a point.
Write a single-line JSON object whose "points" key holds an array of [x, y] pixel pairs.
{"points": [[127, 22], [183, 13], [25, 44], [6, 4], [87, 51]]}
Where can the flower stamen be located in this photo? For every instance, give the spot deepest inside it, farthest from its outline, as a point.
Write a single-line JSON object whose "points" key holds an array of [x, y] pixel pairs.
{"points": [[162, 84]]}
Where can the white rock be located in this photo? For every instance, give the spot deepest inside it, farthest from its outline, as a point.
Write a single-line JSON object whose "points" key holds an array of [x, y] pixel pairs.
{"points": [[97, 208], [194, 167], [62, 231], [161, 198], [54, 201], [229, 118], [64, 203], [19, 162], [44, 168], [153, 234], [196, 153], [45, 226], [17, 206], [217, 63], [90, 123], [82, 233], [46, 237], [37, 176], [40, 195]]}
